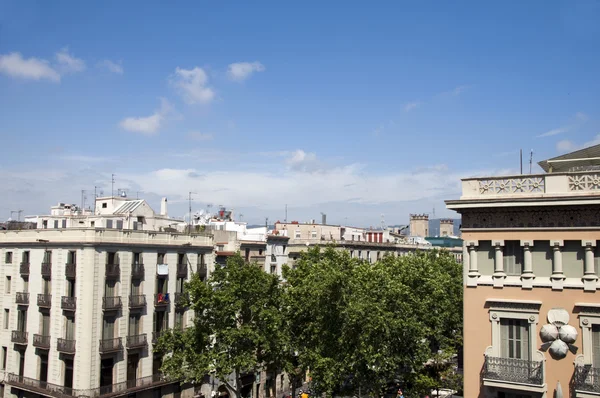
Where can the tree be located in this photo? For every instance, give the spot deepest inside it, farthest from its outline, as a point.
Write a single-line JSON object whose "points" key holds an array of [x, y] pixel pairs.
{"points": [[238, 326], [357, 325]]}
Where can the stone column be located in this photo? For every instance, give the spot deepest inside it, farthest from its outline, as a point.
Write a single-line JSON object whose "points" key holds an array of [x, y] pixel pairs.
{"points": [[474, 274], [557, 277], [589, 275], [527, 276], [499, 275]]}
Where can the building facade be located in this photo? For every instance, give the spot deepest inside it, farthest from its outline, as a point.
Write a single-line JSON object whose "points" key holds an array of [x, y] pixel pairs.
{"points": [[531, 255], [83, 308]]}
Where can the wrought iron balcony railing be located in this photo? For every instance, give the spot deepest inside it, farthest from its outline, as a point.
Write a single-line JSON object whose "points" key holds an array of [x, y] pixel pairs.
{"points": [[113, 271], [41, 341], [68, 303], [46, 270], [156, 335], [137, 301], [70, 271], [202, 270], [586, 378], [137, 341], [24, 269], [44, 300], [19, 337], [161, 300], [181, 270], [119, 389], [111, 303], [137, 271], [66, 346], [111, 345], [181, 300], [22, 298], [514, 370]]}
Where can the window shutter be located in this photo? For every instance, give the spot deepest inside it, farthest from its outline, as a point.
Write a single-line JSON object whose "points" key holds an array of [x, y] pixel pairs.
{"points": [[596, 346], [524, 326], [504, 338]]}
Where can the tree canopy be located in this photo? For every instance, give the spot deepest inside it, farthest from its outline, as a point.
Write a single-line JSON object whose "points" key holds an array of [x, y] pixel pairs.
{"points": [[352, 324]]}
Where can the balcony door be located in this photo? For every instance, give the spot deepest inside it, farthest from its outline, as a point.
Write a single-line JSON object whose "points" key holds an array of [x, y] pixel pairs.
{"points": [[596, 346], [46, 323], [106, 373], [514, 334], [68, 373], [108, 331], [70, 328], [43, 367], [132, 369], [22, 320], [134, 325]]}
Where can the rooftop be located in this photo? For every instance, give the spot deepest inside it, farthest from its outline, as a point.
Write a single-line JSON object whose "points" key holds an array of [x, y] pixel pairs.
{"points": [[585, 159]]}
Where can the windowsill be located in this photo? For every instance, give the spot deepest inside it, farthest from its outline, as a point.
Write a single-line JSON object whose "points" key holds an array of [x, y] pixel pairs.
{"points": [[515, 386]]}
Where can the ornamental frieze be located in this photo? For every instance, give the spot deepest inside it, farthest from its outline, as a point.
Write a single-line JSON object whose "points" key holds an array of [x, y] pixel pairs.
{"points": [[523, 217]]}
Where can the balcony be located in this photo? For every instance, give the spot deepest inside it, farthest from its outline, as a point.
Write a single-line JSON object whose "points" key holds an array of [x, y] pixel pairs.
{"points": [[68, 303], [19, 337], [111, 345], [181, 300], [46, 270], [44, 300], [202, 271], [161, 301], [586, 379], [137, 301], [137, 341], [70, 271], [46, 389], [41, 341], [22, 298], [24, 269], [113, 271], [156, 335], [512, 373], [137, 271], [181, 270], [111, 303], [65, 346]]}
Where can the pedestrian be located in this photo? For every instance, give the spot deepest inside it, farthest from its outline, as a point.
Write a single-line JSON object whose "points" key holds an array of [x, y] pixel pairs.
{"points": [[400, 394]]}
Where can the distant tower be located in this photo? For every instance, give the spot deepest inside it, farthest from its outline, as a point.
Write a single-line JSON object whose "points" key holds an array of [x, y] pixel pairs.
{"points": [[446, 227], [419, 225]]}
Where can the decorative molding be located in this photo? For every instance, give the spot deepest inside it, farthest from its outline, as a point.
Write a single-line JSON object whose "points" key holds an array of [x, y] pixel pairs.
{"points": [[518, 306], [525, 217], [584, 182], [511, 186]]}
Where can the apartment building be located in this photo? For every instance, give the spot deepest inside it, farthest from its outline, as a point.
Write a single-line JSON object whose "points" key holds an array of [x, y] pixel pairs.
{"points": [[531, 255], [84, 306]]}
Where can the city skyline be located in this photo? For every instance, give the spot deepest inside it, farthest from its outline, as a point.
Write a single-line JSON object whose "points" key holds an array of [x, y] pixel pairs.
{"points": [[349, 110]]}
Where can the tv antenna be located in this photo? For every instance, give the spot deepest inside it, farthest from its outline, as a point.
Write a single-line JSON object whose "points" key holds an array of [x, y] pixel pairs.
{"points": [[241, 216], [112, 194], [18, 214], [190, 208], [530, 160]]}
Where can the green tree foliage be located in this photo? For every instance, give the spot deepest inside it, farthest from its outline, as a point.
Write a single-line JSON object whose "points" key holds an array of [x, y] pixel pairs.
{"points": [[360, 325], [238, 326]]}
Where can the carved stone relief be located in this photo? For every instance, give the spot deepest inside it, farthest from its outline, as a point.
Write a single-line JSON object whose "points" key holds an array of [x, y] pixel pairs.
{"points": [[511, 186], [524, 217]]}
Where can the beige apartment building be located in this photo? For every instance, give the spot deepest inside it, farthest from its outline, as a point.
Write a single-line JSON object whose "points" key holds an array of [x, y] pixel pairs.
{"points": [[83, 307], [531, 255]]}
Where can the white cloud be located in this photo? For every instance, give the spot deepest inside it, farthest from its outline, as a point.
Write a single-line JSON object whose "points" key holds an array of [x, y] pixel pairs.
{"points": [[411, 105], [149, 125], [582, 117], [565, 146], [192, 85], [303, 162], [198, 136], [15, 65], [240, 71], [553, 132], [112, 66], [67, 63]]}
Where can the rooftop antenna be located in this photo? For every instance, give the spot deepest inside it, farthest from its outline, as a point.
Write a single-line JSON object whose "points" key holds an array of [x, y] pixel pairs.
{"points": [[112, 194], [83, 191], [95, 197], [285, 219], [190, 208], [241, 216], [137, 194], [530, 160], [433, 216], [18, 214], [383, 227], [521, 157], [267, 222]]}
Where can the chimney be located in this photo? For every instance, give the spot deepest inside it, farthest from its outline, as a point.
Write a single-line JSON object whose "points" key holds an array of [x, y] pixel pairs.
{"points": [[163, 207], [324, 219]]}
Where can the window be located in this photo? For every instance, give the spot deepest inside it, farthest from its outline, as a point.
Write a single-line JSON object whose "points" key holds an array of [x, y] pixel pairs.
{"points": [[7, 287], [260, 252], [92, 224], [273, 269], [161, 258], [25, 257], [47, 257], [220, 248], [71, 257], [178, 320], [112, 258], [104, 205], [297, 235], [119, 224], [515, 338], [4, 355], [55, 224], [8, 258], [109, 223], [596, 346], [512, 257], [137, 258], [6, 317], [313, 234], [64, 223], [351, 253], [284, 247], [45, 224], [360, 254]]}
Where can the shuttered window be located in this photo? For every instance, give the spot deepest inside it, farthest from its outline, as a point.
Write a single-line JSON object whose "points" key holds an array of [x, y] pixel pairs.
{"points": [[514, 334], [45, 324], [70, 328], [596, 346], [108, 331], [513, 257]]}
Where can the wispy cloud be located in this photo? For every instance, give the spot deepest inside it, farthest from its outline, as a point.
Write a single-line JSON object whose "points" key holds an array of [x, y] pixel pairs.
{"points": [[148, 125], [579, 119], [112, 66], [411, 106], [85, 158], [192, 85], [241, 71], [14, 65], [569, 146], [68, 63], [198, 136], [554, 132], [456, 91]]}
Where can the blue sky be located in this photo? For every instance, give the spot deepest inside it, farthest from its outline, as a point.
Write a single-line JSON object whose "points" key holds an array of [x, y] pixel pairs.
{"points": [[352, 108]]}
